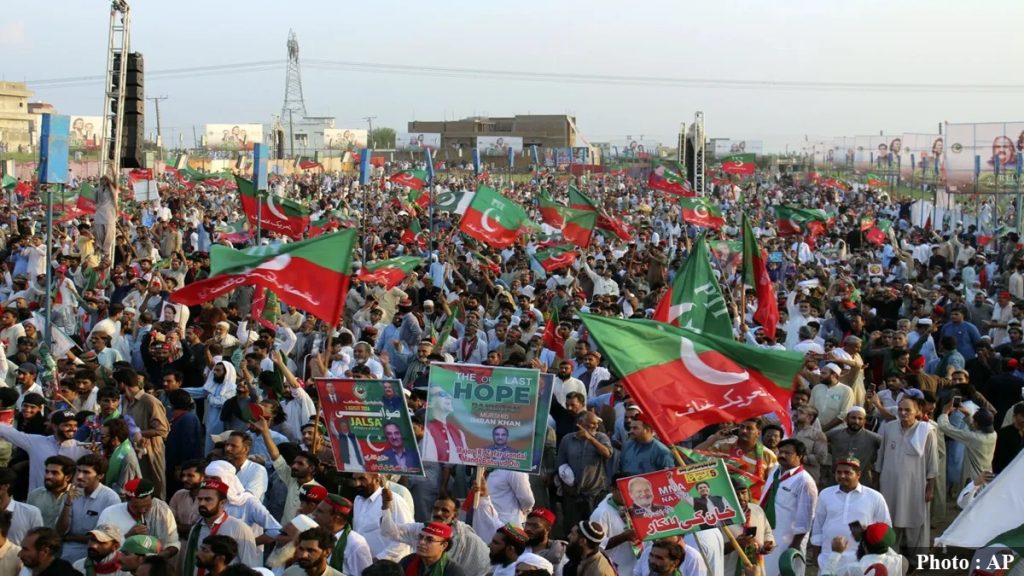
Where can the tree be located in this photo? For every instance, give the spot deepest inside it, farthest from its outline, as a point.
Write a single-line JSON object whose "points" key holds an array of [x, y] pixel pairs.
{"points": [[382, 138]]}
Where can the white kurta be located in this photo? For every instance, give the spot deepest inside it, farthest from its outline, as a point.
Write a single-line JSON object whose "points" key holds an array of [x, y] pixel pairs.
{"points": [[794, 513], [837, 509], [612, 520]]}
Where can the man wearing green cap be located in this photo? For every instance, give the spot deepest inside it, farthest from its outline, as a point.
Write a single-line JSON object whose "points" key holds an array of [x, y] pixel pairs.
{"points": [[754, 535], [350, 553], [874, 554], [135, 550]]}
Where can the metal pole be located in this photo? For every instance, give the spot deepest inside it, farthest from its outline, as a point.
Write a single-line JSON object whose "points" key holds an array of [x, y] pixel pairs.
{"points": [[259, 215], [291, 136], [49, 267], [1016, 210]]}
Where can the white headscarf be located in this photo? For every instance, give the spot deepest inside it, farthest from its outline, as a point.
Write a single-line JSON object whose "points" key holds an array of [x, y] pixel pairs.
{"points": [[225, 471], [217, 397]]}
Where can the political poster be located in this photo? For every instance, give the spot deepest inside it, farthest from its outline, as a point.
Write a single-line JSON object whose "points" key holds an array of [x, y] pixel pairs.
{"points": [[232, 136], [498, 145], [987, 151], [540, 433], [726, 146], [481, 416], [417, 141], [86, 132], [369, 427], [872, 152], [345, 138], [681, 500], [921, 156], [841, 152]]}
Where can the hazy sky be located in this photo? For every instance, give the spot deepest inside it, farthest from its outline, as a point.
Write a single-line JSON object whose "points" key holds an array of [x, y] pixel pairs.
{"points": [[870, 41]]}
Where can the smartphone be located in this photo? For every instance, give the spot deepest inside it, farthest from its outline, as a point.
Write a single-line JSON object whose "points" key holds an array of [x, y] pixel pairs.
{"points": [[957, 400], [750, 531], [856, 529], [869, 387]]}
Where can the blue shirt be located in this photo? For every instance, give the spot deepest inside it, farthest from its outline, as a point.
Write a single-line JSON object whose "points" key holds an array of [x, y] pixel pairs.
{"points": [[966, 335], [640, 458]]}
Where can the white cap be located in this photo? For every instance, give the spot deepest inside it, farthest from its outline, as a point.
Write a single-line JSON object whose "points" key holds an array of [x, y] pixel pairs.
{"points": [[535, 561], [834, 367], [924, 322]]}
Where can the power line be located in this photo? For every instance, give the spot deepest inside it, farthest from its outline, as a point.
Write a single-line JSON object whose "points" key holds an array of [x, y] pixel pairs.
{"points": [[551, 77]]}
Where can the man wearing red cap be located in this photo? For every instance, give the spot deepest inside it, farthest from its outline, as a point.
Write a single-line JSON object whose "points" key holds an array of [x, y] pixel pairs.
{"points": [[538, 527], [1002, 313], [431, 556], [874, 554], [350, 554], [142, 514], [214, 520], [466, 548]]}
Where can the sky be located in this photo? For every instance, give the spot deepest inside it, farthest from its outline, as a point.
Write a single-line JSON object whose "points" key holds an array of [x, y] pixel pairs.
{"points": [[760, 42]]}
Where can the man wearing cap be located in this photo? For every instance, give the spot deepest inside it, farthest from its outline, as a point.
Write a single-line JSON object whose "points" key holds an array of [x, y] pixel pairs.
{"points": [[831, 397], [123, 462], [538, 527], [431, 557], [39, 448], [788, 501], [350, 553], [1002, 314], [87, 497], [921, 342], [586, 558], [466, 549], [142, 514], [102, 556], [215, 521], [877, 556], [856, 440], [505, 547], [839, 506], [25, 382]]}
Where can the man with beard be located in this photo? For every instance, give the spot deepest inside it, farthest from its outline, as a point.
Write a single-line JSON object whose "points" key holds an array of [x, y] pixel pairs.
{"points": [[854, 440], [417, 368], [40, 553], [183, 503], [301, 471], [151, 417], [86, 499], [584, 551], [369, 509], [666, 558], [216, 553], [102, 556], [142, 514], [123, 463], [39, 448], [465, 549], [431, 556], [252, 475], [350, 553], [507, 544], [311, 553], [538, 528], [57, 479], [216, 522]]}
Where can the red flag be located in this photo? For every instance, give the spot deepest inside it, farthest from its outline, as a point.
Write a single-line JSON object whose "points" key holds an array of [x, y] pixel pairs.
{"points": [[875, 236], [23, 189], [755, 273]]}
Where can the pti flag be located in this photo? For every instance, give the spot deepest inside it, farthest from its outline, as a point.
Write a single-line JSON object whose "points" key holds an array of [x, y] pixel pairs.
{"points": [[388, 273], [681, 500], [794, 220], [701, 212], [276, 214], [578, 227], [555, 257], [755, 274], [743, 164], [686, 380], [369, 426], [415, 179], [695, 301], [667, 180], [551, 213], [493, 219], [311, 275], [482, 416]]}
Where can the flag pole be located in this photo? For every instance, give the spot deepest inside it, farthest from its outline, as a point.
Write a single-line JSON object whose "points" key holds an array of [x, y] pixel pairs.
{"points": [[323, 368]]}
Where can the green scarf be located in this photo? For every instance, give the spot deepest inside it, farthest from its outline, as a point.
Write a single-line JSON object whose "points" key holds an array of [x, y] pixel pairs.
{"points": [[116, 464], [192, 549], [413, 568], [769, 499], [338, 555]]}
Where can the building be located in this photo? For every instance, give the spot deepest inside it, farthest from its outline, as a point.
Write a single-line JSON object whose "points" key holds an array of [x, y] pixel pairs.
{"points": [[17, 124], [543, 130]]}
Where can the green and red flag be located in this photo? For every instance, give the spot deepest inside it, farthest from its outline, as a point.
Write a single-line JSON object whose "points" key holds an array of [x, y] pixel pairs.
{"points": [[668, 180], [8, 182], [87, 198], [580, 201], [686, 380], [235, 233], [414, 234], [742, 164], [265, 308], [279, 215], [485, 263], [867, 222], [695, 301], [388, 273], [311, 275], [578, 227], [701, 212], [552, 341], [755, 274], [415, 179], [555, 257], [323, 226], [306, 163], [551, 212], [493, 219], [876, 181], [793, 220]]}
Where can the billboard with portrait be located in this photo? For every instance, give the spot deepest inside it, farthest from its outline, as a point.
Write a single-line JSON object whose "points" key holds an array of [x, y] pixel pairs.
{"points": [[989, 149], [233, 136], [417, 141], [345, 138], [872, 152], [86, 132], [842, 151], [726, 146], [919, 155], [498, 145]]}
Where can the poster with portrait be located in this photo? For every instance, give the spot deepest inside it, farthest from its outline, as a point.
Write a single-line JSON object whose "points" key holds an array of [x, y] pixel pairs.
{"points": [[498, 145], [369, 426], [726, 146], [482, 416], [347, 139], [540, 433], [417, 141], [841, 152], [232, 136], [989, 150], [870, 152], [921, 156], [681, 500], [86, 133]]}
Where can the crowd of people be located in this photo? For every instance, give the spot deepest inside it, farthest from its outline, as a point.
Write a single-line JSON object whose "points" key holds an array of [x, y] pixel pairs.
{"points": [[152, 439]]}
